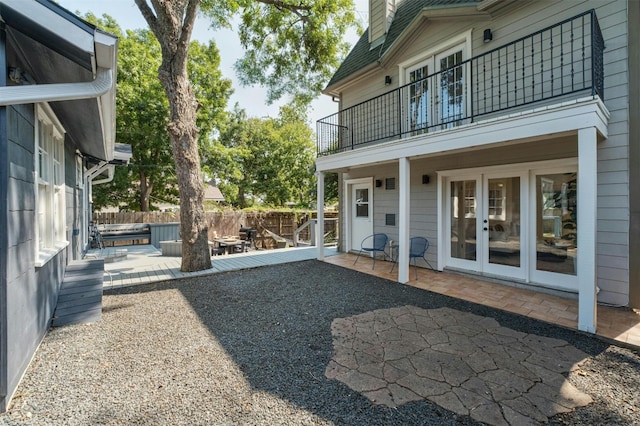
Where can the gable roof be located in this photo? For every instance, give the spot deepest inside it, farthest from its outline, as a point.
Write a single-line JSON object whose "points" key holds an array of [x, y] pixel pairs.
{"points": [[212, 192], [407, 12]]}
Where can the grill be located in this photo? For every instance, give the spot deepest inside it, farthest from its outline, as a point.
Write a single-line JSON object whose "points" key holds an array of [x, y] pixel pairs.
{"points": [[249, 235]]}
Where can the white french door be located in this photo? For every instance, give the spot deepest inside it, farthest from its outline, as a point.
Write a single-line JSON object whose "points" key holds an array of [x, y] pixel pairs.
{"points": [[439, 99], [513, 221], [484, 214]]}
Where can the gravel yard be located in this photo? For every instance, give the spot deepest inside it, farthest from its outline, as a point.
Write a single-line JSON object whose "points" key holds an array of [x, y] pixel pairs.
{"points": [[251, 347]]}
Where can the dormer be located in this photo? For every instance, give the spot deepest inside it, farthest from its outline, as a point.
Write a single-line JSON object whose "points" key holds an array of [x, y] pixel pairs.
{"points": [[381, 13]]}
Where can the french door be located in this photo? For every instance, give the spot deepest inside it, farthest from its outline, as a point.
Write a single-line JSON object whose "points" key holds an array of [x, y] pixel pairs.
{"points": [[438, 100], [513, 221], [484, 223]]}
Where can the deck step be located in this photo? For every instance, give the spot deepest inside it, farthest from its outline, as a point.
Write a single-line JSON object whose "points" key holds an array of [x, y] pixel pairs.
{"points": [[80, 298]]}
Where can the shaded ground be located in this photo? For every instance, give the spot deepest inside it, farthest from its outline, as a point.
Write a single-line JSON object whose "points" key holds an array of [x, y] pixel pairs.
{"points": [[252, 347]]}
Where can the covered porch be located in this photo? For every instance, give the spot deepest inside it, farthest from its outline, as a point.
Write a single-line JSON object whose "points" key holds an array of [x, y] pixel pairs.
{"points": [[521, 150]]}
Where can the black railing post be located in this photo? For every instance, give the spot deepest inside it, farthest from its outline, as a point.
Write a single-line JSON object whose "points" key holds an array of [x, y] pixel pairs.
{"points": [[471, 89], [597, 66], [400, 111], [352, 129]]}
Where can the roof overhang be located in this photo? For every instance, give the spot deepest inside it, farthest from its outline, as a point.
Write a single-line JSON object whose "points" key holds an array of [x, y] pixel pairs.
{"points": [[66, 62], [467, 11]]}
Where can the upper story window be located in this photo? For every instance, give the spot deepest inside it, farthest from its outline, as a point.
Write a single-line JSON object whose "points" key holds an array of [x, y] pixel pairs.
{"points": [[50, 186], [437, 86]]}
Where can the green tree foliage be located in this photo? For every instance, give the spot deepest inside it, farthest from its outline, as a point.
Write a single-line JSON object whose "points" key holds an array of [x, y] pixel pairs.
{"points": [[143, 114], [292, 47], [265, 161]]}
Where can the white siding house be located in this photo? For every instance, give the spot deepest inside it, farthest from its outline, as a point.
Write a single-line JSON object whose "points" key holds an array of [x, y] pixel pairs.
{"points": [[508, 130]]}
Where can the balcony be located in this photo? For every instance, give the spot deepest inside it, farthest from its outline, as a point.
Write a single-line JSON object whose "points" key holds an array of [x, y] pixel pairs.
{"points": [[561, 62]]}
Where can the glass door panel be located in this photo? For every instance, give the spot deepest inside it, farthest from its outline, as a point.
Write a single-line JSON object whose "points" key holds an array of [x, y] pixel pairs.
{"points": [[556, 225], [463, 204], [502, 221], [451, 100], [418, 99], [362, 202]]}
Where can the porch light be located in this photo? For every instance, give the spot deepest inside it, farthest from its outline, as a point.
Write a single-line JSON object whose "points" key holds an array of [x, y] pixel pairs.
{"points": [[387, 80], [488, 35]]}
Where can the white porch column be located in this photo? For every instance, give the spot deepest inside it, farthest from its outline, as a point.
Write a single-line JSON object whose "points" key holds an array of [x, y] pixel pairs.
{"points": [[404, 220], [320, 223], [587, 228]]}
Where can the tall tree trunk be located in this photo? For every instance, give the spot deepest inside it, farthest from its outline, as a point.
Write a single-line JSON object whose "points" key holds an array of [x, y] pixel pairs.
{"points": [[184, 142], [172, 23], [145, 192]]}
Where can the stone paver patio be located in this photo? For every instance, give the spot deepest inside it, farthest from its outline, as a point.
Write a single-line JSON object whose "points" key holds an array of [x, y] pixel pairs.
{"points": [[461, 361]]}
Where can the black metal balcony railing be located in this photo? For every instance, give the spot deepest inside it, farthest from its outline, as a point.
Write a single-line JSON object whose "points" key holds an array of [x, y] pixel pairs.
{"points": [[562, 60]]}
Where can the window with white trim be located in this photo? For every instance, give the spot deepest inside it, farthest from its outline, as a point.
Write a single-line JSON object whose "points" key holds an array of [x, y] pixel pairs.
{"points": [[50, 187], [437, 91]]}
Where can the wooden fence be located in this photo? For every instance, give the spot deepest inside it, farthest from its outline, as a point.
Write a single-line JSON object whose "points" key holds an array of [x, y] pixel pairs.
{"points": [[229, 222]]}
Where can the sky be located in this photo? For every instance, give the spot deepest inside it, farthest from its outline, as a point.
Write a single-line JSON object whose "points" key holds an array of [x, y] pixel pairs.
{"points": [[252, 99]]}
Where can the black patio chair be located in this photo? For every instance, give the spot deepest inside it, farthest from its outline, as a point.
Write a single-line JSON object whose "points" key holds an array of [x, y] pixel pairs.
{"points": [[372, 244]]}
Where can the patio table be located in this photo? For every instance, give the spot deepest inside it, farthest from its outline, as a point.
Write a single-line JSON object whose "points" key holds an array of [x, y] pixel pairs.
{"points": [[230, 244]]}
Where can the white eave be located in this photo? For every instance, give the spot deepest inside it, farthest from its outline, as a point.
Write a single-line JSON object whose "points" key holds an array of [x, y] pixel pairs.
{"points": [[99, 47]]}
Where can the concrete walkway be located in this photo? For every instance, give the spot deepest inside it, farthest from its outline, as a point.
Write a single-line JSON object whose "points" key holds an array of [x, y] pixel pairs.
{"points": [[142, 264]]}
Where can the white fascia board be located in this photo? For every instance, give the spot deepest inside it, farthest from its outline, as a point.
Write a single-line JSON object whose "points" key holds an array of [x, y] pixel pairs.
{"points": [[47, 18], [568, 117]]}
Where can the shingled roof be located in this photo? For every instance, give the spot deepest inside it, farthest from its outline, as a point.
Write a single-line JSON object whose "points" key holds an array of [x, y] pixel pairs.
{"points": [[362, 55]]}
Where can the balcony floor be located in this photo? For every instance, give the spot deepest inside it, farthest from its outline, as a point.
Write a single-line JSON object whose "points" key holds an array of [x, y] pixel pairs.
{"points": [[619, 324]]}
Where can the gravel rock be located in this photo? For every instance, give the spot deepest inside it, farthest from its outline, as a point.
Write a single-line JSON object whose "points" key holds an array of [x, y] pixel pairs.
{"points": [[251, 347]]}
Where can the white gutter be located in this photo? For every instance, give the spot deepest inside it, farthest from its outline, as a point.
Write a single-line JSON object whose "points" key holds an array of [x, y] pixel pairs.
{"points": [[35, 93], [100, 88], [110, 174], [96, 171]]}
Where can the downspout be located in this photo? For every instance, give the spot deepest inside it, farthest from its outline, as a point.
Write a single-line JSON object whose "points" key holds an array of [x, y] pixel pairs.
{"points": [[96, 171], [89, 175]]}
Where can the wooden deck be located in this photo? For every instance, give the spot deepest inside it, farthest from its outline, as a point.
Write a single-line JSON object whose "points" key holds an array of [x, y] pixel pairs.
{"points": [[80, 298]]}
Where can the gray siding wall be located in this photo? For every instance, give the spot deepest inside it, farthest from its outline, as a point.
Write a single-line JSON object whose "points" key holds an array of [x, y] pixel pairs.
{"points": [[377, 19], [634, 152], [520, 19], [31, 293]]}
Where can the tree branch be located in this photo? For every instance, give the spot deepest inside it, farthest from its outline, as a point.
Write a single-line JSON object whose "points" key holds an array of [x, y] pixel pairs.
{"points": [[148, 15], [187, 29], [282, 5]]}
